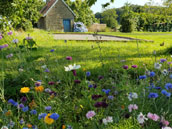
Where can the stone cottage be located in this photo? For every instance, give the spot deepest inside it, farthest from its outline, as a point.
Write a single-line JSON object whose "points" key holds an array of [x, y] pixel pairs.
{"points": [[57, 16]]}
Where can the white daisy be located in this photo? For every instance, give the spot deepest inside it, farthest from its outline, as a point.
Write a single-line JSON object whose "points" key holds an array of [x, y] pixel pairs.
{"points": [[70, 67]]}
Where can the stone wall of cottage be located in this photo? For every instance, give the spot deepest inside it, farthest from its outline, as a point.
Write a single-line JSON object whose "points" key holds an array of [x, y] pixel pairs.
{"points": [[54, 18]]}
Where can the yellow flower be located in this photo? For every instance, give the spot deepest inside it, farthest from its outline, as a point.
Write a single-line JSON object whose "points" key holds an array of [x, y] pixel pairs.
{"points": [[24, 90], [81, 106], [39, 88], [63, 127], [48, 120], [84, 69]]}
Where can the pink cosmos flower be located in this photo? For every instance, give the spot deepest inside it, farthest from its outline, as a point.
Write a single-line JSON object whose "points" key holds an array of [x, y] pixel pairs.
{"points": [[134, 66], [90, 114], [68, 58], [10, 33], [132, 107], [125, 67], [164, 122], [154, 117]]}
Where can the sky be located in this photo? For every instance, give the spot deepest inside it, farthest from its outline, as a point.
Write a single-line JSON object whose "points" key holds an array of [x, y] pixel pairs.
{"points": [[119, 3]]}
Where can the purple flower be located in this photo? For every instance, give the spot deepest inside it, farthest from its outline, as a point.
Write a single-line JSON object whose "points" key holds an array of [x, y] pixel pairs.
{"points": [[77, 81], [53, 93], [100, 77], [15, 41], [95, 97], [101, 104], [28, 38], [153, 95], [9, 56], [163, 60], [134, 66], [68, 58], [47, 70], [23, 99], [48, 108], [90, 86], [74, 72], [90, 114], [38, 83], [125, 67], [21, 106], [0, 37], [51, 83], [10, 33]]}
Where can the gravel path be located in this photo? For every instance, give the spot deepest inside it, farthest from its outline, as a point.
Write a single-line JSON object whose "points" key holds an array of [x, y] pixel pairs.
{"points": [[90, 37]]}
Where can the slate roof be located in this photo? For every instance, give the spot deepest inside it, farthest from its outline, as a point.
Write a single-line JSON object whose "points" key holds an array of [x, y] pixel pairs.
{"points": [[44, 11]]}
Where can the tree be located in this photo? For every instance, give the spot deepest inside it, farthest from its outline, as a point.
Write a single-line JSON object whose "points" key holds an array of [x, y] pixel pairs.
{"points": [[82, 10], [109, 17], [128, 20], [91, 2], [21, 13]]}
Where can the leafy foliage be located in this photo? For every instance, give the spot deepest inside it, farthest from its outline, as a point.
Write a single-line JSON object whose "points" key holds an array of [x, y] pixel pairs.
{"points": [[21, 13], [83, 12]]}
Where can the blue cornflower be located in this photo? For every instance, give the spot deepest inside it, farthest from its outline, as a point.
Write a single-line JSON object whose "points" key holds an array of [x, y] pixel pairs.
{"points": [[158, 88], [152, 74], [42, 115], [106, 91], [164, 92], [168, 86], [21, 121], [47, 70], [88, 74], [153, 95], [11, 101], [170, 76], [16, 104], [25, 128], [48, 108], [90, 86], [54, 116], [142, 77], [33, 112], [110, 97], [25, 109], [52, 50]]}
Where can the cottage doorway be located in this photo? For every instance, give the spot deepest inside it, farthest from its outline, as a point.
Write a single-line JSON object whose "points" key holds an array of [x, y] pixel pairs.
{"points": [[66, 24]]}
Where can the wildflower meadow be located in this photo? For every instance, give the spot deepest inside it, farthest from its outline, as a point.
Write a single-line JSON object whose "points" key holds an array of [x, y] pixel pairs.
{"points": [[49, 84]]}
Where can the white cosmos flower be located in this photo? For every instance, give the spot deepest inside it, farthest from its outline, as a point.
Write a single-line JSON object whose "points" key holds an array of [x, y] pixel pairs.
{"points": [[72, 67], [107, 120], [44, 66], [141, 118], [165, 72], [157, 65], [4, 127], [166, 128], [132, 96]]}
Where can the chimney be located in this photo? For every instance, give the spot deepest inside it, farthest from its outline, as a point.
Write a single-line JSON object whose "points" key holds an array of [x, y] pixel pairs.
{"points": [[47, 1]]}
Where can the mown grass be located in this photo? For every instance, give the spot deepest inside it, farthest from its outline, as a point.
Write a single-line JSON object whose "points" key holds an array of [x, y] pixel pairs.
{"points": [[105, 59]]}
